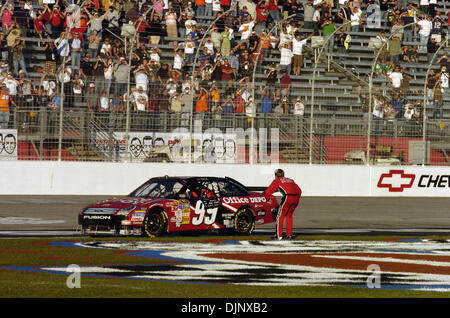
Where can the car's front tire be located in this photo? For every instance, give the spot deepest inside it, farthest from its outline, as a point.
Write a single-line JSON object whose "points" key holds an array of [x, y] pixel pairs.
{"points": [[244, 222], [155, 223]]}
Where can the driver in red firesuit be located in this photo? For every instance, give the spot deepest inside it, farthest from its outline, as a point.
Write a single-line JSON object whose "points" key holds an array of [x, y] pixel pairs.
{"points": [[291, 196]]}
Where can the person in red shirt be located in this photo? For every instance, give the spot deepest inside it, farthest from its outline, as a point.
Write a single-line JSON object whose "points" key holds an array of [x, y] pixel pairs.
{"points": [[291, 197], [239, 103], [227, 70]]}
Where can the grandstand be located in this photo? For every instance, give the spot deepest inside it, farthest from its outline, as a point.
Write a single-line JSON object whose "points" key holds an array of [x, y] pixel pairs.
{"points": [[95, 109]]}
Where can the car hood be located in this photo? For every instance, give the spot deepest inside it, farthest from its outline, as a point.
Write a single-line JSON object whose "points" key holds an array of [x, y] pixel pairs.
{"points": [[116, 203]]}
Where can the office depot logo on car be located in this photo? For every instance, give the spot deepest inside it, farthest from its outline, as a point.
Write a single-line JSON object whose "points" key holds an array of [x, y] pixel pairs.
{"points": [[399, 181]]}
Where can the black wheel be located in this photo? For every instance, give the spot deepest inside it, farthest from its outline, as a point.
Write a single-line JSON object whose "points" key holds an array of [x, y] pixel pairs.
{"points": [[244, 222], [155, 223]]}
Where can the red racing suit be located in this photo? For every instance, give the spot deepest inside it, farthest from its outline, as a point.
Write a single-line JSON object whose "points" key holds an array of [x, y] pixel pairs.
{"points": [[291, 196]]}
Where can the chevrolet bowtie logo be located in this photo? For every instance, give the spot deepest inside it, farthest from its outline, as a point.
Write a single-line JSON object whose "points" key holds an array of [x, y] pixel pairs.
{"points": [[396, 180]]}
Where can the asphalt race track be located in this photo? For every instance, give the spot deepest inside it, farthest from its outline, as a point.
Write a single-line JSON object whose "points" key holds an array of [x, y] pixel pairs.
{"points": [[43, 215]]}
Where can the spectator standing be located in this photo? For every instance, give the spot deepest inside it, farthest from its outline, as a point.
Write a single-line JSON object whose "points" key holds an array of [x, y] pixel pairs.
{"points": [[355, 19], [77, 90], [57, 17], [425, 27], [75, 51], [437, 27], [266, 102], [94, 44], [285, 83], [286, 58], [408, 17], [308, 10], [297, 45], [438, 101], [444, 79], [432, 48], [201, 106], [299, 107], [95, 22], [17, 56], [328, 28], [155, 29], [170, 19], [377, 115], [344, 15], [99, 74], [7, 16], [316, 20], [246, 29], [108, 74], [274, 11], [91, 98], [87, 68], [5, 100], [262, 12], [103, 108], [140, 101], [21, 17], [396, 79]]}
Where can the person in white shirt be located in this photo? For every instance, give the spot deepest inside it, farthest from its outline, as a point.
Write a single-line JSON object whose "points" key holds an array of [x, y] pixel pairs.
{"points": [[444, 78], [286, 57], [141, 78], [178, 59], [246, 29], [425, 26], [355, 19], [377, 115], [285, 36], [396, 78], [316, 20], [299, 107], [297, 51], [409, 112], [76, 51]]}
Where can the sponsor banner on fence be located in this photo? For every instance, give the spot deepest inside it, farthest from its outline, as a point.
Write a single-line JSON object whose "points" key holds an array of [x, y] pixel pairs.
{"points": [[8, 144], [210, 147]]}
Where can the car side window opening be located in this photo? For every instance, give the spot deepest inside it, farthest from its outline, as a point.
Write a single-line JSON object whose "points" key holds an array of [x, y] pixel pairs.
{"points": [[159, 189], [229, 189]]}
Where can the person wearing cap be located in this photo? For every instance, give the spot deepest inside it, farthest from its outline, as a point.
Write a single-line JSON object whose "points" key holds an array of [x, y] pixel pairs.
{"points": [[91, 97], [291, 196]]}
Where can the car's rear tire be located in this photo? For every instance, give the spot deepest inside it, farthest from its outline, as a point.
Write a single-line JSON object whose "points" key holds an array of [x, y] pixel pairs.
{"points": [[155, 223], [244, 222]]}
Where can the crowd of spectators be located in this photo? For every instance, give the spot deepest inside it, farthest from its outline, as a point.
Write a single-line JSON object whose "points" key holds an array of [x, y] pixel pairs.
{"points": [[87, 46]]}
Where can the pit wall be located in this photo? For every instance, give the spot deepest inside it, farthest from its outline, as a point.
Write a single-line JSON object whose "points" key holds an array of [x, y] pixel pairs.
{"points": [[92, 178]]}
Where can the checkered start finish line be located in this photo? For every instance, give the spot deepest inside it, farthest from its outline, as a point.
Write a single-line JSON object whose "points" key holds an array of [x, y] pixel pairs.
{"points": [[405, 264]]}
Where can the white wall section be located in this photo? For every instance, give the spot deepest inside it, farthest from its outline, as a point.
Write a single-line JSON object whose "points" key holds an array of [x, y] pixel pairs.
{"points": [[100, 178]]}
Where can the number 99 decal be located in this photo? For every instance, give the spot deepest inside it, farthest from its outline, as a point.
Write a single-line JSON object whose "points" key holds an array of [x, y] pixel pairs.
{"points": [[203, 215]]}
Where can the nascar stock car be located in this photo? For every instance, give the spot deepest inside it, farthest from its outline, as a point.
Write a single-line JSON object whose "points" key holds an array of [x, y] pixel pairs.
{"points": [[179, 204]]}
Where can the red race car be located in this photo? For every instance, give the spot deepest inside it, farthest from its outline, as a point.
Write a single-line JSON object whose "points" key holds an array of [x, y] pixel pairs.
{"points": [[176, 204]]}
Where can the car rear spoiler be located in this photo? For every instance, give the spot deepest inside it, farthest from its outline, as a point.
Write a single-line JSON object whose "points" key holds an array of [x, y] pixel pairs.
{"points": [[257, 189]]}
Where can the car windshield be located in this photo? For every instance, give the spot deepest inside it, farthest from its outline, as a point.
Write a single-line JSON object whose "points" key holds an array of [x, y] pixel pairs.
{"points": [[165, 188]]}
